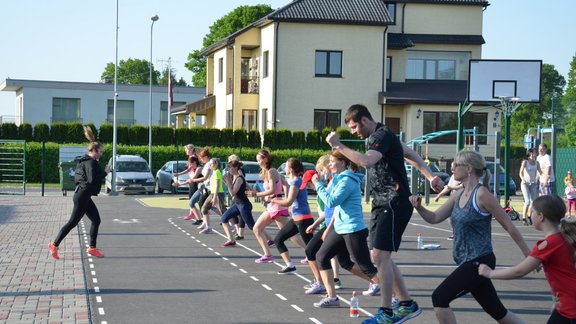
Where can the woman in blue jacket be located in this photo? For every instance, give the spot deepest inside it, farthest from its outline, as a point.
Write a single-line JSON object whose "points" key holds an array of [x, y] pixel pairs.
{"points": [[347, 233]]}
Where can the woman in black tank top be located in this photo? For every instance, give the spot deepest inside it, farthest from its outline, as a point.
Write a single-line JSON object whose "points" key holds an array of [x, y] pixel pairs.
{"points": [[241, 207]]}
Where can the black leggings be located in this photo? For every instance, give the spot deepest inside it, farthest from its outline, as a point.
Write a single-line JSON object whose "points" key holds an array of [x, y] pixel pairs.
{"points": [[290, 229], [314, 245], [83, 204], [343, 246], [465, 279]]}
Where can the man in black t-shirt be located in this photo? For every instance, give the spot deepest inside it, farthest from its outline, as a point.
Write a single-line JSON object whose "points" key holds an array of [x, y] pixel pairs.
{"points": [[391, 209]]}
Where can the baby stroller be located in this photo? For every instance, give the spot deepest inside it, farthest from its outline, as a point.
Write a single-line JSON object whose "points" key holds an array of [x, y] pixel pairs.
{"points": [[508, 209]]}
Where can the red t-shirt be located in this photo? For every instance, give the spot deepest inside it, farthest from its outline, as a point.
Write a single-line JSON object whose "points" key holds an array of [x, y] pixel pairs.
{"points": [[558, 260]]}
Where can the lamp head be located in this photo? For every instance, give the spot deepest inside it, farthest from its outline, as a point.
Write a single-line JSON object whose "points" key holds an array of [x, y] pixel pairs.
{"points": [[154, 18]]}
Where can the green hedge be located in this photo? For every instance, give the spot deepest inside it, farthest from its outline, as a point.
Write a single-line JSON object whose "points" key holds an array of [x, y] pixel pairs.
{"points": [[160, 155]]}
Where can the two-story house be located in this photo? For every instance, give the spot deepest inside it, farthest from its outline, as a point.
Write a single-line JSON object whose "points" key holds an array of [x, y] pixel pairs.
{"points": [[303, 65]]}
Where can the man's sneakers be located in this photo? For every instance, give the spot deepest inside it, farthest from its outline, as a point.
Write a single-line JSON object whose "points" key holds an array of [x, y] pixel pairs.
{"points": [[400, 314], [287, 270], [95, 252], [53, 250], [316, 289], [373, 290], [328, 302]]}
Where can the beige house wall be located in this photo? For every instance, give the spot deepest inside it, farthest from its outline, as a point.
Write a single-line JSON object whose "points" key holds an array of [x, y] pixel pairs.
{"points": [[266, 96], [300, 92], [418, 18]]}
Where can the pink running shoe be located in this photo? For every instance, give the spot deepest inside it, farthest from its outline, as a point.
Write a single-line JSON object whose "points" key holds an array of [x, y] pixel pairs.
{"points": [[265, 259], [190, 216], [229, 244], [304, 261], [95, 252], [53, 250]]}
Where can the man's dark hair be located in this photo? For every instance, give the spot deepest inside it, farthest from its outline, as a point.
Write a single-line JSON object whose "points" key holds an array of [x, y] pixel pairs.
{"points": [[356, 112]]}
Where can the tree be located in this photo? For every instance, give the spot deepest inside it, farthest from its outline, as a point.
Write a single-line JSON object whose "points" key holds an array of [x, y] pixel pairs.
{"points": [[534, 114], [568, 137], [132, 71], [230, 23], [164, 78]]}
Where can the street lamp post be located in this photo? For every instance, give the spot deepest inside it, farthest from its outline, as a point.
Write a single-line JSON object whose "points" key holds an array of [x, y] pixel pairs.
{"points": [[114, 115], [154, 19]]}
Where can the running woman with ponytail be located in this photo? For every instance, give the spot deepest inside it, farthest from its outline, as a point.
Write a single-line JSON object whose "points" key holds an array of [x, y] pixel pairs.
{"points": [[88, 178]]}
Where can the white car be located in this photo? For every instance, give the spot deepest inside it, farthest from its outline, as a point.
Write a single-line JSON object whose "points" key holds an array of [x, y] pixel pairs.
{"points": [[132, 175]]}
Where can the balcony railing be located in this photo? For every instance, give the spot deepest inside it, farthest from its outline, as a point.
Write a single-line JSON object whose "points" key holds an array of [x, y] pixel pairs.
{"points": [[127, 122], [66, 120], [249, 84]]}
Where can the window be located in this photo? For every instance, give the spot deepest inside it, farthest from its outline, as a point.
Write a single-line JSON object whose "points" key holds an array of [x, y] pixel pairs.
{"points": [[124, 112], [264, 119], [229, 118], [326, 118], [391, 7], [220, 70], [388, 67], [431, 69], [249, 75], [66, 110], [265, 65], [328, 64], [249, 119], [164, 113], [439, 121]]}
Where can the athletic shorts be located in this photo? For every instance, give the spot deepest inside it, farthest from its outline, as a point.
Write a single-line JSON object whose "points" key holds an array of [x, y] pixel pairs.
{"points": [[279, 213], [387, 224]]}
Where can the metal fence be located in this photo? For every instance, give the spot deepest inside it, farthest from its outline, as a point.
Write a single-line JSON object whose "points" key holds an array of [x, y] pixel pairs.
{"points": [[12, 167]]}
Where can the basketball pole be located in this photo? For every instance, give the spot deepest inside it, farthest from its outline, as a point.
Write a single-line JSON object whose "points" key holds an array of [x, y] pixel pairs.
{"points": [[508, 105]]}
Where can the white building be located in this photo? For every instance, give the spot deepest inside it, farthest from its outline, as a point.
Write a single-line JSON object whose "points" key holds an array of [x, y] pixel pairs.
{"points": [[84, 102]]}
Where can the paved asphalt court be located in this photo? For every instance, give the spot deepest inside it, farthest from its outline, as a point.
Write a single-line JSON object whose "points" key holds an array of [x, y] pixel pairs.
{"points": [[159, 269]]}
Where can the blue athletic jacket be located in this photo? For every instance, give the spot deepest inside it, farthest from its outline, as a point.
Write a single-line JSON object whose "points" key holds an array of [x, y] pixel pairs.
{"points": [[346, 197]]}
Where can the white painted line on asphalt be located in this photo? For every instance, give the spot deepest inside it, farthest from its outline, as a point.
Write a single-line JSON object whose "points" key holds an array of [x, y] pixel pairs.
{"points": [[94, 280], [217, 253], [254, 278], [90, 260], [93, 272], [281, 297], [211, 249], [233, 264], [314, 320], [225, 258], [297, 308], [266, 287], [98, 299], [103, 322], [243, 271], [91, 266], [96, 289], [188, 234], [101, 311], [204, 245]]}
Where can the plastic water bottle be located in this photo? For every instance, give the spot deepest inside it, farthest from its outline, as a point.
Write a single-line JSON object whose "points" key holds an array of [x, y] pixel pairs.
{"points": [[420, 242], [354, 306]]}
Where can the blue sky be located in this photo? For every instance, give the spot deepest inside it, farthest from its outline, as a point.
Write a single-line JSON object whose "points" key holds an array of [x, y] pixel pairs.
{"points": [[71, 40]]}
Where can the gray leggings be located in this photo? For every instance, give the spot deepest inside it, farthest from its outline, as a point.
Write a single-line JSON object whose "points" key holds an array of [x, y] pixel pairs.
{"points": [[530, 192]]}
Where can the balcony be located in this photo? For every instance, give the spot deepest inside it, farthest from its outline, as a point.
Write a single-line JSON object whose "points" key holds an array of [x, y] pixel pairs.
{"points": [[249, 84]]}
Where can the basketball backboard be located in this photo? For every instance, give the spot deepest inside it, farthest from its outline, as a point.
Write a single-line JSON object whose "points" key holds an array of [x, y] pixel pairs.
{"points": [[489, 80]]}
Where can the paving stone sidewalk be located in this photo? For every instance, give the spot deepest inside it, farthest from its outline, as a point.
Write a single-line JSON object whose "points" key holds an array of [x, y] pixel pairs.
{"points": [[35, 288]]}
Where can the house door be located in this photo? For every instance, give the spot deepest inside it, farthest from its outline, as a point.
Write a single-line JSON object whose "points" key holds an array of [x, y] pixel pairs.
{"points": [[393, 123]]}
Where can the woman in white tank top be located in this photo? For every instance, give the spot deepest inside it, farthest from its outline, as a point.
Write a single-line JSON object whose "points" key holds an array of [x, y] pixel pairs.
{"points": [[529, 171]]}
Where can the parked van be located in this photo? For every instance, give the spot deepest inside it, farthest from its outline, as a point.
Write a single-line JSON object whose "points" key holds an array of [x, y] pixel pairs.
{"points": [[132, 175]]}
